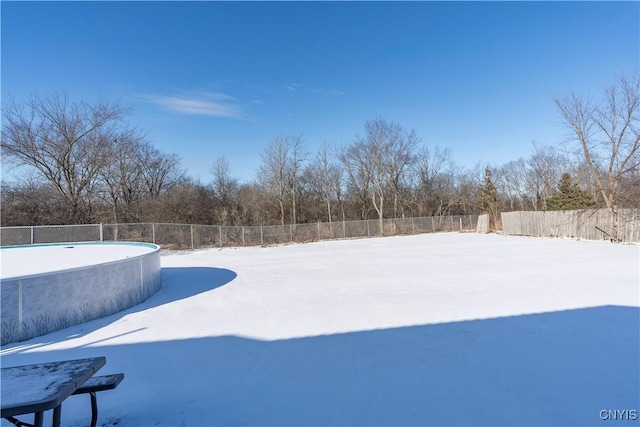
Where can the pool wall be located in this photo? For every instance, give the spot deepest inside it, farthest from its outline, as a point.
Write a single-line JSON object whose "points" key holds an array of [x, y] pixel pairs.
{"points": [[39, 304]]}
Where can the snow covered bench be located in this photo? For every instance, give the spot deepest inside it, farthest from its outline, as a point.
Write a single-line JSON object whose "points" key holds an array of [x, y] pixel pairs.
{"points": [[96, 384]]}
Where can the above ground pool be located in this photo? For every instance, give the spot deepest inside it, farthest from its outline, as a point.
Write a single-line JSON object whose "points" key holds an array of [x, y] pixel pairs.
{"points": [[45, 288]]}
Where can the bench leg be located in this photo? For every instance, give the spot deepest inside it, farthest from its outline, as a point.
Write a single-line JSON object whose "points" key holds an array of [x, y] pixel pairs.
{"points": [[38, 419], [57, 412], [94, 409]]}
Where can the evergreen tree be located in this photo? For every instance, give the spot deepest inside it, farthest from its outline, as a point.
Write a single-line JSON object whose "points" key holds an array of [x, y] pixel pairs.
{"points": [[569, 196], [488, 198]]}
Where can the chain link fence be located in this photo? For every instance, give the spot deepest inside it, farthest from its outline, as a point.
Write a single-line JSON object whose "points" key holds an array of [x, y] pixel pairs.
{"points": [[193, 236], [50, 234]]}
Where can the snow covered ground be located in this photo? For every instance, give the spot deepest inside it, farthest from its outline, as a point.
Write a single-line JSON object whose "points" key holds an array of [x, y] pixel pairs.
{"points": [[439, 329]]}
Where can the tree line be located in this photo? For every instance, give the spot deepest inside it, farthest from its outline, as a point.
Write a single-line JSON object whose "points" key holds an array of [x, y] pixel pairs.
{"points": [[86, 165]]}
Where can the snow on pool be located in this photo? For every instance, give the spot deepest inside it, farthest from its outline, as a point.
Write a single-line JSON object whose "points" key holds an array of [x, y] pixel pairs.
{"points": [[19, 261], [438, 329]]}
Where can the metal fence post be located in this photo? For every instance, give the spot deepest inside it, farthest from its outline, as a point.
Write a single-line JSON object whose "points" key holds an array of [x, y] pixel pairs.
{"points": [[261, 237], [32, 235], [153, 232], [220, 232], [20, 322], [192, 237], [242, 235], [141, 278], [290, 233], [101, 233], [318, 231]]}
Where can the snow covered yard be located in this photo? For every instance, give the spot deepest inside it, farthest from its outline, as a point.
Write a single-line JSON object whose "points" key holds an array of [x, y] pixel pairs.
{"points": [[440, 329]]}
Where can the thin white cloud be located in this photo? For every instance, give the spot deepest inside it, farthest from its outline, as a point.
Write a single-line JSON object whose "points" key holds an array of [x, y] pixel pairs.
{"points": [[293, 86], [329, 92], [204, 104]]}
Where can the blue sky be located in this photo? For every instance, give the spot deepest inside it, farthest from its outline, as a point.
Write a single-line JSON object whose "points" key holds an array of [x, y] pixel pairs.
{"points": [[210, 79]]}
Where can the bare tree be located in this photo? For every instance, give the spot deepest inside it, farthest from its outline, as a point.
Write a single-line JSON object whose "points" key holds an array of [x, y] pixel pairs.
{"points": [[160, 171], [511, 180], [31, 201], [187, 202], [67, 143], [325, 177], [280, 170], [225, 188], [359, 171], [401, 158], [433, 181], [379, 162], [530, 182], [468, 183], [630, 189], [253, 204], [583, 175], [607, 133], [298, 157], [123, 187], [273, 172], [544, 169]]}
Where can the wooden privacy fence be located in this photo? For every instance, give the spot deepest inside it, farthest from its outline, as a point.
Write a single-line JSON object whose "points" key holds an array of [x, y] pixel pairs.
{"points": [[483, 224], [590, 224]]}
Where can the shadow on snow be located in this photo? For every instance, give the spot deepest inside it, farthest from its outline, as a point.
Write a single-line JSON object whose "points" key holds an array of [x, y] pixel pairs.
{"points": [[178, 283], [555, 368]]}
